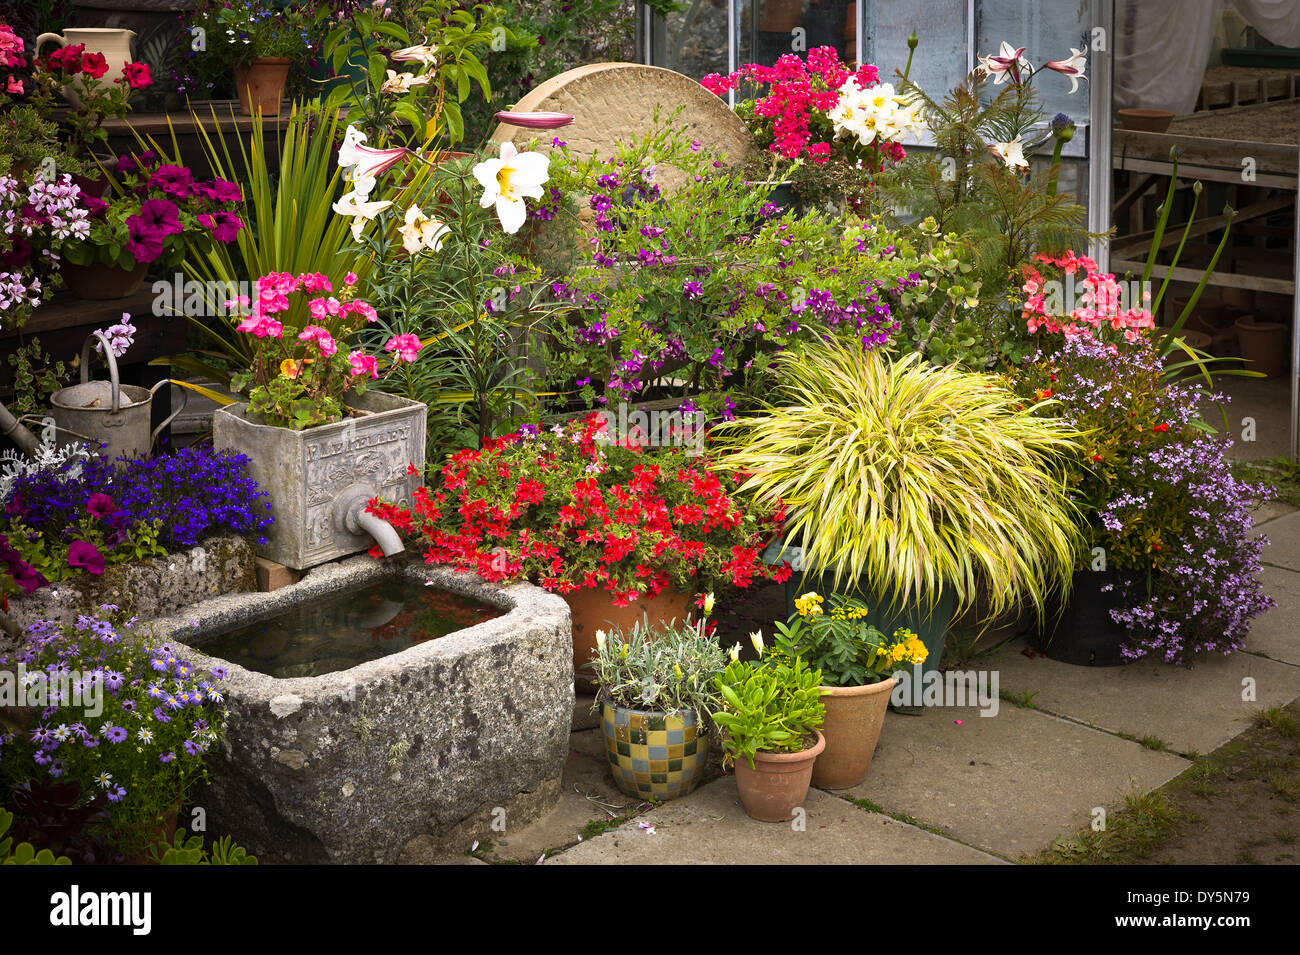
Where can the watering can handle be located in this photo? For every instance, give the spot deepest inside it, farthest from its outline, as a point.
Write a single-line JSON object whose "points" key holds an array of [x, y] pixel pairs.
{"points": [[112, 367], [185, 399], [55, 37]]}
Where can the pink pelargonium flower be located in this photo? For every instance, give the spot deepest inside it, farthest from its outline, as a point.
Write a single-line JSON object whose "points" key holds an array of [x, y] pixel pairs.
{"points": [[406, 346], [534, 120], [321, 337], [261, 326], [323, 308], [350, 279], [315, 282], [364, 309], [363, 364]]}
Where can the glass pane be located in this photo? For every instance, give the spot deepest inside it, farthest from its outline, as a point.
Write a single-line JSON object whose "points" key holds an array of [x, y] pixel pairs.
{"points": [[1047, 29], [939, 63], [693, 41], [768, 29]]}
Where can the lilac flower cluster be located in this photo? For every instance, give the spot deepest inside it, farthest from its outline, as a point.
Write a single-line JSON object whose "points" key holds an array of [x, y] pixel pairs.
{"points": [[33, 218]]}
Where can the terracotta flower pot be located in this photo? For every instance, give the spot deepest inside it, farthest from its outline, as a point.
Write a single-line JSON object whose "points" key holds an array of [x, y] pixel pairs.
{"points": [[1146, 120], [1263, 345], [593, 609], [854, 718], [654, 755], [99, 283], [778, 783], [260, 85]]}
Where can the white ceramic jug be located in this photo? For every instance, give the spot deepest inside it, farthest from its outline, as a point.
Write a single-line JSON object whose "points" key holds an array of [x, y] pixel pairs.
{"points": [[114, 43]]}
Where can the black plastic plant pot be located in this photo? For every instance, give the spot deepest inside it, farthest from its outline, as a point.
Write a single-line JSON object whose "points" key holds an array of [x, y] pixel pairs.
{"points": [[928, 623], [1083, 632]]}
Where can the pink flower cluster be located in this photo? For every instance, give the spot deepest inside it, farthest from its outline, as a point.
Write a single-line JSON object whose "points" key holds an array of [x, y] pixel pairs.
{"points": [[796, 89], [1101, 302]]}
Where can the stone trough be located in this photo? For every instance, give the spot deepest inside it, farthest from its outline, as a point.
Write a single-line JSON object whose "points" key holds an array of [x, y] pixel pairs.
{"points": [[349, 767]]}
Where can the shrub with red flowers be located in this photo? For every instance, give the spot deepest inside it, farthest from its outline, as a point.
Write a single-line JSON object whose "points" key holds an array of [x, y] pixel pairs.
{"points": [[298, 377], [567, 509], [91, 93], [814, 110], [156, 211], [1093, 305]]}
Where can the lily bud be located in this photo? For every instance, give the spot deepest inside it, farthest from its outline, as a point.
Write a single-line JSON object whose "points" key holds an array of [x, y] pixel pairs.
{"points": [[534, 120], [708, 603], [913, 41], [600, 639], [756, 638], [735, 653]]}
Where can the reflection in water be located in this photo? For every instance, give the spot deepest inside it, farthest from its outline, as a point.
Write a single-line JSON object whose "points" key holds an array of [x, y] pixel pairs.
{"points": [[349, 628]]}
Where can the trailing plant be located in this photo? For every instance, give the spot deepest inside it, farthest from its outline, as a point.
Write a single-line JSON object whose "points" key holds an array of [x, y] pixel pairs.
{"points": [[240, 31], [1157, 500], [568, 510], [36, 376], [914, 477], [771, 706], [40, 216], [842, 645], [665, 668]]}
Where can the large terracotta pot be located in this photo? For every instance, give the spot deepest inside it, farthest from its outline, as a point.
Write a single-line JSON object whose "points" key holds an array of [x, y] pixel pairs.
{"points": [[98, 282], [260, 85], [593, 609], [854, 718], [778, 783], [1263, 346], [654, 755]]}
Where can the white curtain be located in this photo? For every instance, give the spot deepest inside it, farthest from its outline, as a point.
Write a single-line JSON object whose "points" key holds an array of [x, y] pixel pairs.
{"points": [[1161, 46]]}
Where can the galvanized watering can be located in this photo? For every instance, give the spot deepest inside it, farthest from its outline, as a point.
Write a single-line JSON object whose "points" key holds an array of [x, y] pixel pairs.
{"points": [[108, 412]]}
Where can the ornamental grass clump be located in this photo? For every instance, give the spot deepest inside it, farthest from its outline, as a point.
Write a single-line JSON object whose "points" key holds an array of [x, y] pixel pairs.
{"points": [[912, 477]]}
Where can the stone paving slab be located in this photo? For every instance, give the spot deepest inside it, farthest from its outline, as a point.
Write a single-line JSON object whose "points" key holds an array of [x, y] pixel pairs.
{"points": [[1008, 783], [1193, 710], [709, 827], [1283, 549], [1276, 633]]}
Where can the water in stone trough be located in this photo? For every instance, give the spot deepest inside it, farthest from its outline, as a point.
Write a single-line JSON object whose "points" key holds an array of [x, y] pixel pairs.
{"points": [[349, 628]]}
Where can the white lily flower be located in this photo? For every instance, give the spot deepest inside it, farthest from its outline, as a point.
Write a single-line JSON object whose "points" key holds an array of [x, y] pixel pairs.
{"points": [[424, 54], [1008, 64], [735, 652], [403, 82], [359, 210], [1012, 153], [347, 152], [1072, 67], [507, 180], [421, 232]]}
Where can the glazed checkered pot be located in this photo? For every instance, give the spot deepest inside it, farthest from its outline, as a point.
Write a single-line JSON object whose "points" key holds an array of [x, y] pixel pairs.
{"points": [[654, 755]]}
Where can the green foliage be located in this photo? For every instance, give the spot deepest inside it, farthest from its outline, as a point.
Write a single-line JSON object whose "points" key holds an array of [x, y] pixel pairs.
{"points": [[23, 853], [919, 477], [666, 668], [842, 645], [773, 706], [1004, 216], [419, 114], [239, 31], [191, 851], [36, 376], [28, 139]]}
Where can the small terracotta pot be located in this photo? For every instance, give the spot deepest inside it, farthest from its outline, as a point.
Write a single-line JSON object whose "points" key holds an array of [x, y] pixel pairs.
{"points": [[778, 783], [101, 283], [593, 609], [1146, 120], [260, 85], [854, 717], [1263, 345]]}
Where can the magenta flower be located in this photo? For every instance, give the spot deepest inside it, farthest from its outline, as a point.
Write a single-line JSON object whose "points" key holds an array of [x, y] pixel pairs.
{"points": [[175, 181], [224, 226], [86, 556], [363, 364], [406, 346], [220, 190], [156, 220], [100, 505], [261, 326], [322, 338]]}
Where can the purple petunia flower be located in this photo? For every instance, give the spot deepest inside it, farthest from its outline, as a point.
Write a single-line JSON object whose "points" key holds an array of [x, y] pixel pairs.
{"points": [[86, 556]]}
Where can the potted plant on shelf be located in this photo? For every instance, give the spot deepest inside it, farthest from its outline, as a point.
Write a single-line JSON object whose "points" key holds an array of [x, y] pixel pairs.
{"points": [[261, 41], [857, 663], [156, 213], [619, 531], [656, 689], [771, 719], [320, 442], [918, 488]]}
